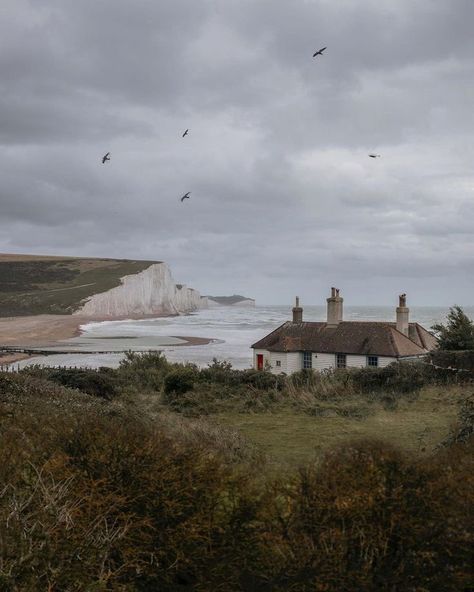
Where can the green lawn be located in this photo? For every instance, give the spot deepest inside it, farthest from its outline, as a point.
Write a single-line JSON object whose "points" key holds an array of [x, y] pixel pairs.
{"points": [[292, 438]]}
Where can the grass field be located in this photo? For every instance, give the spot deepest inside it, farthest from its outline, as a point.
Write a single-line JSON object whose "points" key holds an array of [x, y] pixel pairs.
{"points": [[292, 438], [31, 285]]}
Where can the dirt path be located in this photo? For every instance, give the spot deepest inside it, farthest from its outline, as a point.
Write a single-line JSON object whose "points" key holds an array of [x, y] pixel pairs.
{"points": [[55, 290]]}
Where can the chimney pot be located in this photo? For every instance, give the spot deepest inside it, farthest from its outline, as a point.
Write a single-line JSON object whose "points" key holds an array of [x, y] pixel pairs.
{"points": [[403, 313], [335, 308], [297, 312]]}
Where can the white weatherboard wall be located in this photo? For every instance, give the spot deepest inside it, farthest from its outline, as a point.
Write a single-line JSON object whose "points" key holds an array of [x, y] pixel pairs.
{"points": [[152, 291], [289, 361], [266, 357], [293, 361], [354, 361], [385, 361], [324, 361], [282, 358]]}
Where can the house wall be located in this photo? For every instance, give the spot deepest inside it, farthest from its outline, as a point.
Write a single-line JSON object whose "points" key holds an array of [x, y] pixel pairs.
{"points": [[385, 361], [324, 361], [266, 357], [290, 362], [279, 356], [293, 361], [354, 361]]}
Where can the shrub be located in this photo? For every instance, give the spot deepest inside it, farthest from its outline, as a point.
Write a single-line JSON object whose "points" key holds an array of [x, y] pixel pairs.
{"points": [[368, 519], [262, 380], [109, 501], [180, 381], [114, 504], [464, 430], [100, 383], [145, 370]]}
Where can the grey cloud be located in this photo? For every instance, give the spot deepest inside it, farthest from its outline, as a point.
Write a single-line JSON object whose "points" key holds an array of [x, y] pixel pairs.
{"points": [[283, 195]]}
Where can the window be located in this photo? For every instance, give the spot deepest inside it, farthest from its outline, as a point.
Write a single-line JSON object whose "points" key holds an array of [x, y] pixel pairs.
{"points": [[278, 363], [307, 360], [373, 361], [341, 361]]}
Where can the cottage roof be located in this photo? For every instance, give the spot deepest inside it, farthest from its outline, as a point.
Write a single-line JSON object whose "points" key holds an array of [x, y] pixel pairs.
{"points": [[349, 337]]}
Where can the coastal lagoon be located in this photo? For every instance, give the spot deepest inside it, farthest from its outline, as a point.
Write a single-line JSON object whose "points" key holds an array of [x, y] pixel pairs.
{"points": [[231, 332]]}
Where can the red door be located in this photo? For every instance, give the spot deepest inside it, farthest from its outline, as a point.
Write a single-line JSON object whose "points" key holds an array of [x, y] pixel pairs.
{"points": [[259, 361]]}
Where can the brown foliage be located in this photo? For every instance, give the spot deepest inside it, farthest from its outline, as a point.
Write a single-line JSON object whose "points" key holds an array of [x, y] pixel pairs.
{"points": [[95, 498], [110, 502], [369, 519]]}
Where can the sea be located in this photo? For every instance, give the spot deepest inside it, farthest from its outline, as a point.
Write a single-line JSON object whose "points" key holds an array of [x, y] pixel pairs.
{"points": [[231, 330]]}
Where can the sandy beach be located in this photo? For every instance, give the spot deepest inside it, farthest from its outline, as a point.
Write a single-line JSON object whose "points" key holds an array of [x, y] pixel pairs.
{"points": [[49, 330], [40, 330]]}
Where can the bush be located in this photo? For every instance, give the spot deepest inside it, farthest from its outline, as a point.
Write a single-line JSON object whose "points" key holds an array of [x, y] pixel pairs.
{"points": [[369, 519], [144, 371], [464, 430], [180, 381], [100, 383], [109, 501], [262, 380]]}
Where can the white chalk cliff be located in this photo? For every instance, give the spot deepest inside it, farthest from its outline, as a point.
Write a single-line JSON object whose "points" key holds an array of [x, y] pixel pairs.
{"points": [[152, 291]]}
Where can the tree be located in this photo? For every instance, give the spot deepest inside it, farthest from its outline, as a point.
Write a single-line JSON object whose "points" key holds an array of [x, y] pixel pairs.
{"points": [[458, 333]]}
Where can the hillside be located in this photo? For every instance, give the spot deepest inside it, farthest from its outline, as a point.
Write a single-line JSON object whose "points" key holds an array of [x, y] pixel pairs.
{"points": [[234, 300], [32, 285]]}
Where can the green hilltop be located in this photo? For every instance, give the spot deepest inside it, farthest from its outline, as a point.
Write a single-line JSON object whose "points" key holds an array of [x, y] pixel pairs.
{"points": [[31, 285], [229, 300]]}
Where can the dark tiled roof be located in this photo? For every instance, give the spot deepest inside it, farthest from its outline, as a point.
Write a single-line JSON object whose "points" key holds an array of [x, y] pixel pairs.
{"points": [[349, 337]]}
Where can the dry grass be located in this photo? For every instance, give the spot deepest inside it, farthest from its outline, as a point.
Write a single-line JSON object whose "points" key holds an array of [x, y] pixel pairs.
{"points": [[294, 438], [124, 496]]}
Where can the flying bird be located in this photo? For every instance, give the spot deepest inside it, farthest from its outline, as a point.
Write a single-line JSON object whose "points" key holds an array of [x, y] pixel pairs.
{"points": [[185, 133], [185, 196], [105, 158], [374, 155], [319, 52]]}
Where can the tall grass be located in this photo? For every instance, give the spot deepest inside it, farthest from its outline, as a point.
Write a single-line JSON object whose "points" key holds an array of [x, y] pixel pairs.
{"points": [[102, 500]]}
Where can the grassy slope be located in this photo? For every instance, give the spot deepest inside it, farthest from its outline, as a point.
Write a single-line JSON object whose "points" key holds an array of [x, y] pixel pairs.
{"points": [[229, 300], [31, 285], [293, 438]]}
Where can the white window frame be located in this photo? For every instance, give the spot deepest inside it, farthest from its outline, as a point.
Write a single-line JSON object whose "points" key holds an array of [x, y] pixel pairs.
{"points": [[338, 359], [376, 365]]}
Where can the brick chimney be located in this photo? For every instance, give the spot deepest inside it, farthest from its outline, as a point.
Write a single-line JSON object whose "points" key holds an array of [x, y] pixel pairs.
{"points": [[334, 308], [297, 312], [402, 315]]}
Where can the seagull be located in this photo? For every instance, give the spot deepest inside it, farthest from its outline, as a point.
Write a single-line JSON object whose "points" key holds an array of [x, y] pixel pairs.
{"points": [[185, 133], [374, 155], [185, 196], [105, 158], [319, 52]]}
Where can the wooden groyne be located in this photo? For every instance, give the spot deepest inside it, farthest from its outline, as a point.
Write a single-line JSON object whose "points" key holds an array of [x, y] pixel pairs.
{"points": [[49, 352]]}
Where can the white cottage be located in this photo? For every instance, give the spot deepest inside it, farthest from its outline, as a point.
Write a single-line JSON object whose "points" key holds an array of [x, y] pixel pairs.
{"points": [[296, 344]]}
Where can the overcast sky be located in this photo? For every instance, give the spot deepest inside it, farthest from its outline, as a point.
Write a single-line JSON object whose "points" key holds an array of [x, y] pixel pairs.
{"points": [[284, 198]]}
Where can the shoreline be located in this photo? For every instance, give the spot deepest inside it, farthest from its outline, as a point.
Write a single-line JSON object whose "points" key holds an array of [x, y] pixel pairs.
{"points": [[51, 330]]}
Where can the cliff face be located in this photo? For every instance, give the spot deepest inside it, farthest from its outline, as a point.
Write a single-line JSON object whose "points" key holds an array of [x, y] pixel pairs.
{"points": [[152, 291]]}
